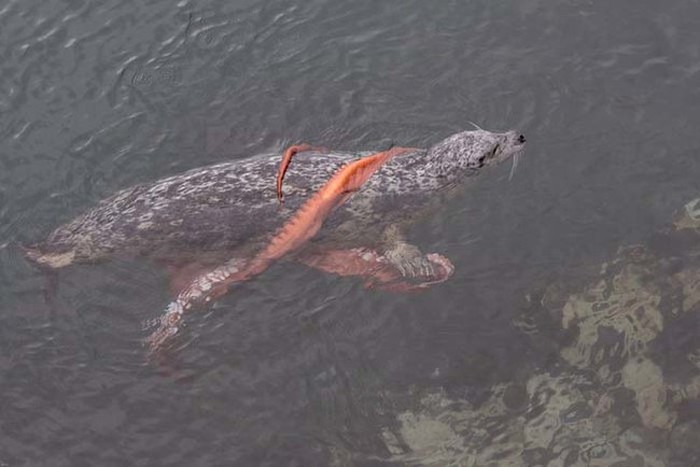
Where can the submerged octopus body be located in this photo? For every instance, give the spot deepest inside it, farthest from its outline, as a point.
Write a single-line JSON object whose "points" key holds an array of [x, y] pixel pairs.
{"points": [[228, 219]]}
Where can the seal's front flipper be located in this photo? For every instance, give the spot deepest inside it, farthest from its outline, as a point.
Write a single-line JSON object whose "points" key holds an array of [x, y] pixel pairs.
{"points": [[376, 269], [363, 262], [408, 259]]}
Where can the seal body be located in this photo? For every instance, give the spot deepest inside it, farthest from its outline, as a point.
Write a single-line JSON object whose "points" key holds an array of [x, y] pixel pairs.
{"points": [[232, 207]]}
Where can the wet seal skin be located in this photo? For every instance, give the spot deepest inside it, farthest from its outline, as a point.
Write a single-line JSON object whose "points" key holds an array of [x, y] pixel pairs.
{"points": [[227, 219]]}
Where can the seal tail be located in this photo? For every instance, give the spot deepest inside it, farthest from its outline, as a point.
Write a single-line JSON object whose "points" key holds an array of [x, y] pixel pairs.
{"points": [[48, 264], [52, 260]]}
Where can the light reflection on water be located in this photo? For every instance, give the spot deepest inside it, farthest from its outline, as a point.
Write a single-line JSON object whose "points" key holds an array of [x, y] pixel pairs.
{"points": [[530, 354]]}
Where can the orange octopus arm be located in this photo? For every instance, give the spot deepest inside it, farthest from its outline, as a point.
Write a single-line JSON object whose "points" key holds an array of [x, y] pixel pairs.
{"points": [[375, 269], [303, 225], [287, 159], [306, 222]]}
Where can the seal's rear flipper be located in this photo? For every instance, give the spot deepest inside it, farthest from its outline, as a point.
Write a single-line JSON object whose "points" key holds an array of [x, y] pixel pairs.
{"points": [[376, 269], [47, 265], [50, 260]]}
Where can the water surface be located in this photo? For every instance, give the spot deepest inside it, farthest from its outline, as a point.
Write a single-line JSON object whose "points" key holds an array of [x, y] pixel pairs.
{"points": [[299, 368]]}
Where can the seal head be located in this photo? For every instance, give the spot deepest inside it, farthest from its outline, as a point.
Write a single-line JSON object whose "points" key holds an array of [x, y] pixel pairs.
{"points": [[469, 151]]}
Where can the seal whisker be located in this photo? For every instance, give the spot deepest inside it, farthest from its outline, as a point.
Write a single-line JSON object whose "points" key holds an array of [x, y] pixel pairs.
{"points": [[516, 160], [475, 125]]}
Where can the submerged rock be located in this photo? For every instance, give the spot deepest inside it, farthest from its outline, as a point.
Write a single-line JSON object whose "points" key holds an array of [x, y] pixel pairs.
{"points": [[639, 298], [561, 425], [689, 217], [627, 362]]}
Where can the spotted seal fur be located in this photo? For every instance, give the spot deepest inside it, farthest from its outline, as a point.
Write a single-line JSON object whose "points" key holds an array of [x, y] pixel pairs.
{"points": [[232, 205]]}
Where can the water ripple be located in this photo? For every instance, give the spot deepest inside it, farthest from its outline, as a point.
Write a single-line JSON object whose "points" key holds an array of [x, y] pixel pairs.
{"points": [[298, 366]]}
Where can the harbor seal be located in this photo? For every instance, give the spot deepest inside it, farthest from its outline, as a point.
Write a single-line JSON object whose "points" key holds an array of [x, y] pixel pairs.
{"points": [[227, 217]]}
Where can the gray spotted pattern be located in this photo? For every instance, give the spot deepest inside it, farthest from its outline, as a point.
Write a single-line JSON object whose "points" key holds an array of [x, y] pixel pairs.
{"points": [[232, 206]]}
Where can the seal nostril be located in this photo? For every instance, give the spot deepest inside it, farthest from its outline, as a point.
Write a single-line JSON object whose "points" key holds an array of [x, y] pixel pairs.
{"points": [[521, 139]]}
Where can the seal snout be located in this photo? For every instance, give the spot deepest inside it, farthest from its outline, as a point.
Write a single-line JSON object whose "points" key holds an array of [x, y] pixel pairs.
{"points": [[514, 138]]}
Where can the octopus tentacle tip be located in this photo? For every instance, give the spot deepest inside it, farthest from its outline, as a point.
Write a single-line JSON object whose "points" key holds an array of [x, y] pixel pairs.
{"points": [[289, 154]]}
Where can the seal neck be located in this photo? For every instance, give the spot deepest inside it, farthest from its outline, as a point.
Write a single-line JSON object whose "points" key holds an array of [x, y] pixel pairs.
{"points": [[445, 170]]}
